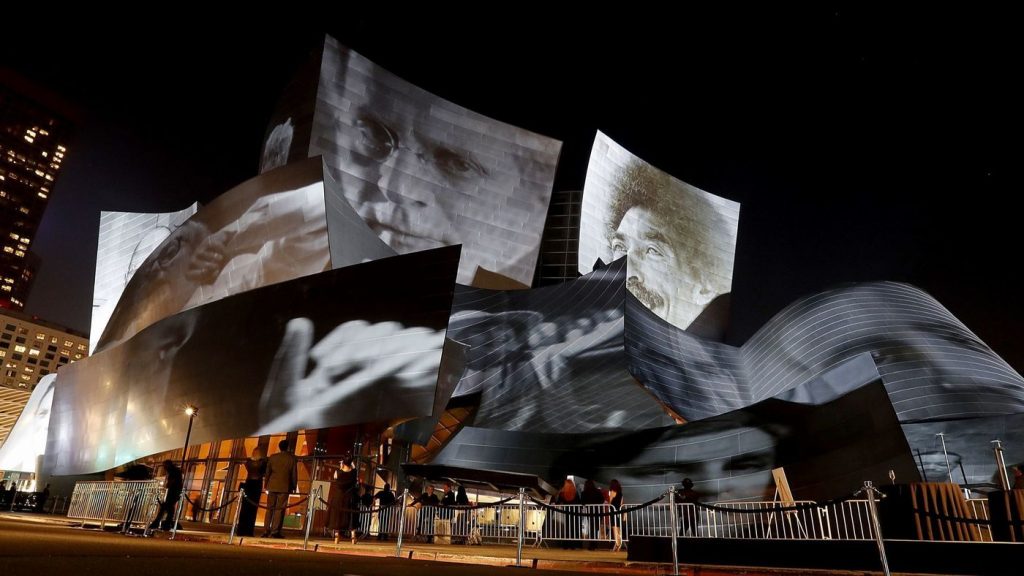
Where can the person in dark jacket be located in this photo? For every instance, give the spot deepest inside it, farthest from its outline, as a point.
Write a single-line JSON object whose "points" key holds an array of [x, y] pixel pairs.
{"points": [[173, 482]]}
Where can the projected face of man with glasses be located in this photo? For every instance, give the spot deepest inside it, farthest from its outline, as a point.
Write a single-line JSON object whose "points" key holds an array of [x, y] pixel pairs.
{"points": [[417, 178], [424, 173]]}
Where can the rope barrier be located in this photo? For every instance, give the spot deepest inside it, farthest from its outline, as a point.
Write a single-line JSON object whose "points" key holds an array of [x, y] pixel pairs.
{"points": [[456, 507], [214, 509], [285, 507], [595, 514]]}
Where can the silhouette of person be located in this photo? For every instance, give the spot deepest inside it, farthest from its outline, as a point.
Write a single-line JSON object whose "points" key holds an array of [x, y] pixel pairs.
{"points": [[342, 499], [280, 481], [255, 468], [173, 483]]}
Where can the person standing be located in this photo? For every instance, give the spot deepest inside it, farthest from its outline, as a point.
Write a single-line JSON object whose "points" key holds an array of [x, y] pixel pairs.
{"points": [[255, 469], [615, 501], [342, 501], [690, 518], [173, 483], [1018, 477], [280, 481], [386, 518]]}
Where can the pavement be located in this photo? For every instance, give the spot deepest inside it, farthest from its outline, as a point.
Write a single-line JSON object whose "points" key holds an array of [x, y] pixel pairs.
{"points": [[378, 553]]}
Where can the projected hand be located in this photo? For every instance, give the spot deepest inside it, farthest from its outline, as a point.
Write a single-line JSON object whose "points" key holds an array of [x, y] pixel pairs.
{"points": [[353, 357], [209, 258]]}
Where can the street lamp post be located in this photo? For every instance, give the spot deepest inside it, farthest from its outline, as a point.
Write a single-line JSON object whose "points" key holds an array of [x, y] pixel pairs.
{"points": [[191, 412]]}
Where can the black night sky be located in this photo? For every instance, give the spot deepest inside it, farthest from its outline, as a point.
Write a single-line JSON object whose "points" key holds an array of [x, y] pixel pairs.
{"points": [[863, 144]]}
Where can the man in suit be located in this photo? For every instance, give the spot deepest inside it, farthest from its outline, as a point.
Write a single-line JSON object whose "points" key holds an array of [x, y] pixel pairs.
{"points": [[279, 481]]}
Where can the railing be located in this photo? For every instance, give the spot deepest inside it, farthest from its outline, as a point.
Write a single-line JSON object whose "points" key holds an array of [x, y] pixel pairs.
{"points": [[979, 510], [847, 520], [125, 503], [134, 503]]}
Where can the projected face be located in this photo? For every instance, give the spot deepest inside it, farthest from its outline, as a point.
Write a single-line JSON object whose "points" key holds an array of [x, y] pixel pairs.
{"points": [[417, 176], [423, 172], [27, 439], [242, 241], [935, 469], [728, 464], [659, 227], [651, 259]]}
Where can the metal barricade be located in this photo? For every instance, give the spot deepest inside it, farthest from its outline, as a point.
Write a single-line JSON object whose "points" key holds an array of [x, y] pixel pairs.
{"points": [[130, 504]]}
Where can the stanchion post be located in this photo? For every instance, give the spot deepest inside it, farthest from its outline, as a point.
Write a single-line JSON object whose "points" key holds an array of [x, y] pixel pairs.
{"points": [[238, 512], [401, 524], [674, 514], [310, 502], [522, 526], [1004, 479], [177, 513], [876, 525]]}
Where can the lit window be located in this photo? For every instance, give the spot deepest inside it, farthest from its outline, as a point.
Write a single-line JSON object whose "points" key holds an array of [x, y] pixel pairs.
{"points": [[69, 343], [19, 348], [14, 236], [62, 149], [8, 249], [53, 340], [78, 356], [63, 351], [26, 377], [81, 347], [3, 353], [40, 336], [33, 352], [5, 287], [31, 133], [29, 369], [19, 253]]}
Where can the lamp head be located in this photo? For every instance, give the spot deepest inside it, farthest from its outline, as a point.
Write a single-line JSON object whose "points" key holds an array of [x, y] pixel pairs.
{"points": [[191, 410]]}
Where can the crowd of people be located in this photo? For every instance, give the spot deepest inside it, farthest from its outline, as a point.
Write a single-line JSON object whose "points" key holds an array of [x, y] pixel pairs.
{"points": [[11, 498]]}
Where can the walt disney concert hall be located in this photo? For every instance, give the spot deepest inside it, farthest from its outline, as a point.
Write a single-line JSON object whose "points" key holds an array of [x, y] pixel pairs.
{"points": [[400, 285]]}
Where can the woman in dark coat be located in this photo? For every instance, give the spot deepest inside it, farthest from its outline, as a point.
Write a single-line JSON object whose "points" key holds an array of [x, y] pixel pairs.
{"points": [[255, 468], [343, 502], [615, 500]]}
